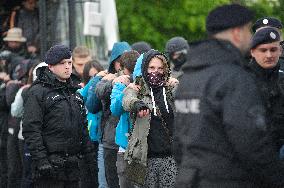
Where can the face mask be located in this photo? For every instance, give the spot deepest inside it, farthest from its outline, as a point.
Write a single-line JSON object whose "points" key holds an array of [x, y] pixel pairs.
{"points": [[156, 79], [179, 61]]}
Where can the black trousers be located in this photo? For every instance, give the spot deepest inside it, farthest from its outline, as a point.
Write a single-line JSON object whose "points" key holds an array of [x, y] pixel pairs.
{"points": [[3, 149], [14, 161], [87, 180], [27, 168], [110, 156], [51, 183]]}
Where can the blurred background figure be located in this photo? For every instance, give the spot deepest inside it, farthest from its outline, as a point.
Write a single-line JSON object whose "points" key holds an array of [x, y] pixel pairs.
{"points": [[26, 17], [141, 47], [177, 49], [15, 42], [80, 56]]}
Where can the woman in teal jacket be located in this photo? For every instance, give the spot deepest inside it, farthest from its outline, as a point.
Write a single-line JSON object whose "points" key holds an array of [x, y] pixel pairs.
{"points": [[94, 120], [90, 70]]}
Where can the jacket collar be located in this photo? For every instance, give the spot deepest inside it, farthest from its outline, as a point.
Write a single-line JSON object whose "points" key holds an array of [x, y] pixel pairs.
{"points": [[212, 51], [47, 77], [261, 72]]}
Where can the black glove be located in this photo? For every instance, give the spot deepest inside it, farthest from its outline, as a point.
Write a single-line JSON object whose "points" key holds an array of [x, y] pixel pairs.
{"points": [[44, 167], [56, 161], [140, 105]]}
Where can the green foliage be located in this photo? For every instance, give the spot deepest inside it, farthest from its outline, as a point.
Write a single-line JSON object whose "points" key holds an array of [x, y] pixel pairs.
{"points": [[264, 8], [156, 21]]}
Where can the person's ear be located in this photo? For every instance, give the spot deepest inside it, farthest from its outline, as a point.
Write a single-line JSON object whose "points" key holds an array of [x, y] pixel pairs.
{"points": [[236, 34], [252, 52], [50, 67]]}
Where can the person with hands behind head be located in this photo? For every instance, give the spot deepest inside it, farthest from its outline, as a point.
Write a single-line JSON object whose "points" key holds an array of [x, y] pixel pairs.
{"points": [[100, 95], [124, 79], [128, 61], [149, 152]]}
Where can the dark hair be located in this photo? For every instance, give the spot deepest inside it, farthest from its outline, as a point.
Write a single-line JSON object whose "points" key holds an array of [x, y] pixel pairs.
{"points": [[91, 64], [128, 60], [30, 76]]}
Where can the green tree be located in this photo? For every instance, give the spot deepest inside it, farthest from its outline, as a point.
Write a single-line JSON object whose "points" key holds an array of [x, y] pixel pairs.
{"points": [[263, 8], [156, 21]]}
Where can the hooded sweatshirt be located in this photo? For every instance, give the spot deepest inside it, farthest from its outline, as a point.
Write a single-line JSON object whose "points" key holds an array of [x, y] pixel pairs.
{"points": [[144, 142], [161, 126]]}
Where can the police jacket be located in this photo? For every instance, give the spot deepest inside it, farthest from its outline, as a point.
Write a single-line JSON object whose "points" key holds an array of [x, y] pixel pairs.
{"points": [[270, 83], [220, 128], [54, 118]]}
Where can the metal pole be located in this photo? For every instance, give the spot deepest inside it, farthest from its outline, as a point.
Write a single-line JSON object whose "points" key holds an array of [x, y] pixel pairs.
{"points": [[43, 27], [72, 26]]}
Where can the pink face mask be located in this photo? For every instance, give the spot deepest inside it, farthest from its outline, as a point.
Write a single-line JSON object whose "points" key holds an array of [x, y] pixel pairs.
{"points": [[156, 79]]}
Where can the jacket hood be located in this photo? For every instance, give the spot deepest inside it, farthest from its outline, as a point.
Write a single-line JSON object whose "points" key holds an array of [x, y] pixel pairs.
{"points": [[137, 69], [117, 50], [202, 54], [146, 60], [35, 73], [45, 76]]}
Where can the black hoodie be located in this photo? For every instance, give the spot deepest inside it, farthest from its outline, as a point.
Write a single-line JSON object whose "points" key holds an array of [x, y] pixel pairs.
{"points": [[220, 128]]}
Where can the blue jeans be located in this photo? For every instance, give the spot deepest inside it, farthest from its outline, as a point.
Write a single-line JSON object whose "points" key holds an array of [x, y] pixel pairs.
{"points": [[101, 165]]}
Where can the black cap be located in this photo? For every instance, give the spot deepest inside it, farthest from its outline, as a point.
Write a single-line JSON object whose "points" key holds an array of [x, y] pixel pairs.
{"points": [[141, 47], [57, 53], [267, 22], [227, 16], [265, 36], [176, 44]]}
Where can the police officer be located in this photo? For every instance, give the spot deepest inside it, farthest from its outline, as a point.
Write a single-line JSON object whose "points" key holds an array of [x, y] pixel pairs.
{"points": [[267, 22], [177, 49], [266, 50], [276, 24], [220, 125], [54, 124]]}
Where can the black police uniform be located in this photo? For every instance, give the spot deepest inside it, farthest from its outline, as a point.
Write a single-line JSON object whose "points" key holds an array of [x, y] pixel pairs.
{"points": [[270, 83], [55, 129], [220, 136]]}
